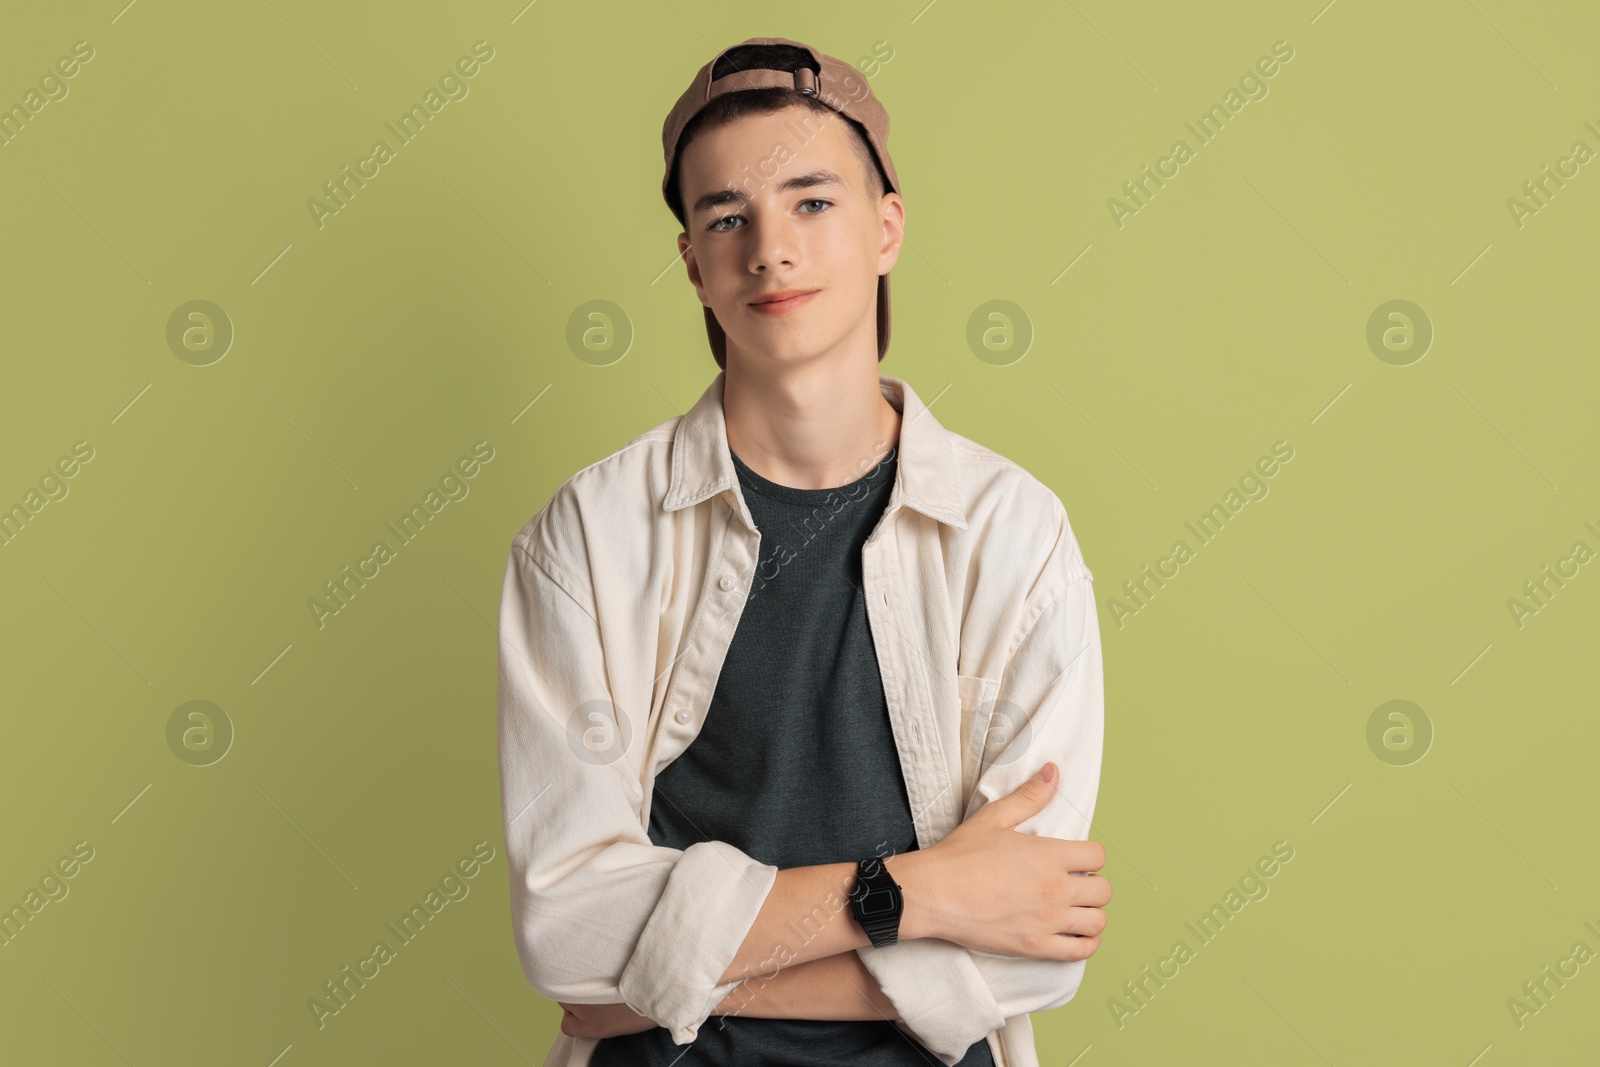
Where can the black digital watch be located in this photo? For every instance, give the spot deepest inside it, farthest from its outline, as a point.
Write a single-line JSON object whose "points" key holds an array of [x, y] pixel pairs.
{"points": [[877, 902]]}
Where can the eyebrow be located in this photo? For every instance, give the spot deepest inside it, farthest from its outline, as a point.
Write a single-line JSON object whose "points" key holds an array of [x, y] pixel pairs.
{"points": [[734, 196]]}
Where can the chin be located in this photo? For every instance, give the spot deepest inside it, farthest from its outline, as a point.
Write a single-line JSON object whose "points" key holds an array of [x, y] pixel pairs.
{"points": [[779, 344], [799, 346], [784, 352]]}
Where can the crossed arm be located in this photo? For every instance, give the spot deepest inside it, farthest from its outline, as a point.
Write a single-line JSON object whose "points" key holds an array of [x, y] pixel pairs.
{"points": [[833, 987], [821, 978], [601, 914]]}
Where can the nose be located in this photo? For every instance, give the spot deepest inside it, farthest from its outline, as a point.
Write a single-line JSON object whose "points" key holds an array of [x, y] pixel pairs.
{"points": [[774, 241]]}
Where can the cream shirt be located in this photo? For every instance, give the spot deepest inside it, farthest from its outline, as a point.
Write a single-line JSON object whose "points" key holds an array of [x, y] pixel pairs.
{"points": [[621, 597]]}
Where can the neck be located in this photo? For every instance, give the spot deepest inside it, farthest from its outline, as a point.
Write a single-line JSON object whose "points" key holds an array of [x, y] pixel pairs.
{"points": [[814, 427]]}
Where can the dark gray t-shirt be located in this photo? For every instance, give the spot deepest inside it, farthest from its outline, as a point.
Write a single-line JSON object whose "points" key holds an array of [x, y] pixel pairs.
{"points": [[796, 764]]}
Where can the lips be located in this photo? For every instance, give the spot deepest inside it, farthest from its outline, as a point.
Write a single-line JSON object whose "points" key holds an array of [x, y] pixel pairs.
{"points": [[787, 300]]}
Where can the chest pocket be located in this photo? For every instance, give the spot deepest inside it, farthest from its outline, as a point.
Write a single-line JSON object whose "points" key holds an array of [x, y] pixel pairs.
{"points": [[980, 744]]}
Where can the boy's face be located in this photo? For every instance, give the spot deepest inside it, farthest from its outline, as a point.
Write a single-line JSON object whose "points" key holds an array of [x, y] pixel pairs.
{"points": [[748, 237]]}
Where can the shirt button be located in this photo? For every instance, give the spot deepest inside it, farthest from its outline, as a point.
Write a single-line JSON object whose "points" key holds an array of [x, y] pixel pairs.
{"points": [[727, 582], [683, 715]]}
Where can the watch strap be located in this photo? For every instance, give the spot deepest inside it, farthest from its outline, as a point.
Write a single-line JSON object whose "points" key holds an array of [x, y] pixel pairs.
{"points": [[877, 901]]}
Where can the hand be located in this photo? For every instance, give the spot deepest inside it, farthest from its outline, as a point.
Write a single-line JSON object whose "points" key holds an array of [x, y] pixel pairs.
{"points": [[987, 886], [602, 1020]]}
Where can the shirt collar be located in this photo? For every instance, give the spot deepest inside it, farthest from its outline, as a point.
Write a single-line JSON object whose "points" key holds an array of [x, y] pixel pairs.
{"points": [[925, 478]]}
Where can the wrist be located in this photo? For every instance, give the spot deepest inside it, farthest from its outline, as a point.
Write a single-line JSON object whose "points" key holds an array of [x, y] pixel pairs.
{"points": [[919, 887]]}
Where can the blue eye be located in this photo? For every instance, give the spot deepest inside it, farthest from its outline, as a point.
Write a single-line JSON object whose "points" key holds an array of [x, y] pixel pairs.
{"points": [[716, 225]]}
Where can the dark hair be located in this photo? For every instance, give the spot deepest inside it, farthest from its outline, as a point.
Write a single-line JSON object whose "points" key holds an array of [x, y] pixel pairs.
{"points": [[728, 107]]}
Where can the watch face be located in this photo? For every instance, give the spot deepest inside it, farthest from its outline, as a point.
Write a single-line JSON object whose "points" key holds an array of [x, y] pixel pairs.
{"points": [[880, 902]]}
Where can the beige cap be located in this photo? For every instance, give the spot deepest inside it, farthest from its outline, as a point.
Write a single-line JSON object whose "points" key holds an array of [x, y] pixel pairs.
{"points": [[834, 82]]}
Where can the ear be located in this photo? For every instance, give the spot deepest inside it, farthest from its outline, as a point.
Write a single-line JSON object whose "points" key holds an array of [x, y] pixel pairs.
{"points": [[892, 210], [686, 253]]}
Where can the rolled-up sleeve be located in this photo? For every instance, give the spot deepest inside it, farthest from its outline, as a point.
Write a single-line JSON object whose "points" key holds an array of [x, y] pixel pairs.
{"points": [[1052, 696], [599, 913]]}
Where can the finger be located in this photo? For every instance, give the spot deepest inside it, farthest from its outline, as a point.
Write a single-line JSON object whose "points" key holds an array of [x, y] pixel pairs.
{"points": [[1025, 800], [1087, 890], [1080, 947], [1067, 948], [1093, 890], [1071, 947], [1082, 855], [1084, 922]]}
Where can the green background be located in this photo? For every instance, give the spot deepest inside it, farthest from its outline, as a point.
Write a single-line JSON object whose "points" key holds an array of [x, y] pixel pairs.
{"points": [[370, 354]]}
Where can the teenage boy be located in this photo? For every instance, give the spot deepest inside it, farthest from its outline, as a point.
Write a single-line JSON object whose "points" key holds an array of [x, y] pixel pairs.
{"points": [[777, 675]]}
